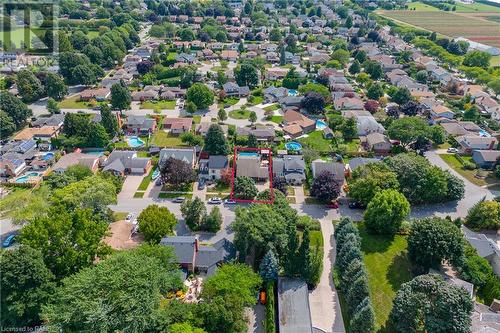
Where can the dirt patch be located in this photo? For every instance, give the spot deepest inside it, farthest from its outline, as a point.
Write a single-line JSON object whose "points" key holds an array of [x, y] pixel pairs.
{"points": [[121, 236]]}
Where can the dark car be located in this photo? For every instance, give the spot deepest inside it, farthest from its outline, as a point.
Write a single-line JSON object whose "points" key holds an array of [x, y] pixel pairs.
{"points": [[179, 200], [201, 184], [356, 205]]}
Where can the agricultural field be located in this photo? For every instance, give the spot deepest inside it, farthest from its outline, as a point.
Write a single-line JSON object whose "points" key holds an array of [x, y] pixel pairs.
{"points": [[449, 24], [421, 7], [475, 7]]}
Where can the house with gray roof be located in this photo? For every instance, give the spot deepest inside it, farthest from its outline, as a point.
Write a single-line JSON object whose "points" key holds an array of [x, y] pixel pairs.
{"points": [[187, 155], [360, 161], [201, 259], [53, 120], [233, 89], [485, 248], [273, 94], [336, 168], [140, 125], [70, 159], [486, 159], [261, 133], [290, 167], [122, 162], [213, 167]]}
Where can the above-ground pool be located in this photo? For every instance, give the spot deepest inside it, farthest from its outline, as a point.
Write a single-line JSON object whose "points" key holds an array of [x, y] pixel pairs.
{"points": [[320, 124], [293, 146], [248, 153], [134, 141], [24, 178], [47, 156], [292, 92]]}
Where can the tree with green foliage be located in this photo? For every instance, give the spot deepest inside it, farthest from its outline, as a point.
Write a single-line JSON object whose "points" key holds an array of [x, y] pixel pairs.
{"points": [[29, 86], [252, 141], [27, 285], [421, 76], [97, 136], [313, 102], [200, 95], [15, 109], [428, 303], [363, 320], [292, 79], [355, 67], [408, 130], [109, 121], [246, 75], [401, 96], [432, 240], [72, 174], [68, 240], [349, 251], [269, 267], [368, 180], [120, 96], [8, 126], [185, 328], [252, 117], [193, 211], [474, 268], [55, 86], [484, 215], [176, 172], [191, 107], [375, 91], [374, 69], [215, 141], [212, 221], [155, 223], [477, 58], [222, 114], [386, 211], [325, 187], [52, 106], [83, 300], [225, 295], [341, 56], [494, 85], [244, 188], [349, 128], [83, 74], [315, 87], [275, 35]]}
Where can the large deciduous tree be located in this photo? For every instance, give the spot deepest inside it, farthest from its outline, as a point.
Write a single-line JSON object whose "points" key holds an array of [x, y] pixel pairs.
{"points": [[215, 141], [200, 95], [29, 86], [313, 102], [386, 211], [84, 300], [244, 188], [155, 223], [432, 240], [193, 211], [246, 74], [484, 215], [27, 284], [176, 172], [14, 108], [55, 86], [428, 303], [370, 179], [120, 96], [325, 187]]}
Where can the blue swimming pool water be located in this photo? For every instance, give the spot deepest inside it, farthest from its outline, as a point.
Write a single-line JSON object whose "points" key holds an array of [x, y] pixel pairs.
{"points": [[47, 156], [320, 124], [485, 134], [292, 92], [97, 153], [134, 141], [24, 179], [293, 146], [247, 153]]}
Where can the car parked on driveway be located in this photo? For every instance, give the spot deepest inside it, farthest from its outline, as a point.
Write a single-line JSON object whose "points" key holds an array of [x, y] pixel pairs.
{"points": [[356, 205], [215, 201], [229, 202], [9, 241], [452, 150], [179, 200], [201, 184]]}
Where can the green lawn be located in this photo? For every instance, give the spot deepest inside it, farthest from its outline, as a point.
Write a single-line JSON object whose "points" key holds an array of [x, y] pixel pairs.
{"points": [[163, 139], [353, 145], [230, 100], [388, 267], [257, 100], [276, 119], [421, 6], [188, 187], [16, 36], [74, 103], [196, 119], [138, 194], [272, 107], [495, 61], [164, 195], [475, 7], [168, 105], [146, 180], [316, 141], [455, 163], [239, 114], [118, 216]]}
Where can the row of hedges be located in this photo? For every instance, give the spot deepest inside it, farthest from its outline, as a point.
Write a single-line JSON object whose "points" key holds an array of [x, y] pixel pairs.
{"points": [[270, 321], [353, 277]]}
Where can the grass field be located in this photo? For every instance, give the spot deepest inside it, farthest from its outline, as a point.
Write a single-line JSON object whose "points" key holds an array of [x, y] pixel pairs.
{"points": [[16, 36], [421, 7], [446, 23], [276, 119], [455, 163], [74, 103], [239, 114], [316, 141], [475, 7], [388, 267], [169, 105], [164, 139], [495, 61]]}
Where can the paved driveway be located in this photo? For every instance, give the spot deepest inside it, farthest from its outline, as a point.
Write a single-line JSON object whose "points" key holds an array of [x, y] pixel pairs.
{"points": [[130, 186]]}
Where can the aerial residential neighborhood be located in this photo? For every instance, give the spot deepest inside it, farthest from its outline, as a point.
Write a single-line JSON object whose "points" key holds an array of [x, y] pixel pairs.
{"points": [[250, 166]]}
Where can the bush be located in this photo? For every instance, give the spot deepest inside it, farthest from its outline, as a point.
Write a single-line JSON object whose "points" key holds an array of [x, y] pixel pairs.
{"points": [[469, 165], [484, 215], [270, 322]]}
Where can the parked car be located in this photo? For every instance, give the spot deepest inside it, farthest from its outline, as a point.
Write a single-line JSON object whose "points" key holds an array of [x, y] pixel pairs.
{"points": [[333, 204], [201, 184], [229, 202], [9, 241], [130, 216], [215, 201], [452, 150], [179, 200], [356, 205], [158, 182]]}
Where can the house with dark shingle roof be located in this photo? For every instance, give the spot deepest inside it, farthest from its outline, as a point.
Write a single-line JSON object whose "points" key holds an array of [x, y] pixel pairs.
{"points": [[122, 162]]}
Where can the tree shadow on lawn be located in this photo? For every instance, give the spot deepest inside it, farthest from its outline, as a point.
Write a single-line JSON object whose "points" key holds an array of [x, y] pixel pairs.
{"points": [[371, 243], [399, 271]]}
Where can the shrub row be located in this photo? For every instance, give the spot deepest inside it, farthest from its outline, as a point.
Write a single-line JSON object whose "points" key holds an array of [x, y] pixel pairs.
{"points": [[270, 321], [353, 277]]}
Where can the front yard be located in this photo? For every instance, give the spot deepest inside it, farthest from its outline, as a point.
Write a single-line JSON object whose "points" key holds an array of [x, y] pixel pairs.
{"points": [[168, 105], [456, 164], [75, 103], [163, 139]]}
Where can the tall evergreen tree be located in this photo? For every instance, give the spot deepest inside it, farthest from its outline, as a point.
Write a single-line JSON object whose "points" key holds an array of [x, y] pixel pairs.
{"points": [[268, 268], [109, 121], [215, 142], [290, 264]]}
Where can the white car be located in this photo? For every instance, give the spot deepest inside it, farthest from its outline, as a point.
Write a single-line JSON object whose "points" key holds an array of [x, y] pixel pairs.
{"points": [[452, 150], [215, 201], [230, 202], [130, 216]]}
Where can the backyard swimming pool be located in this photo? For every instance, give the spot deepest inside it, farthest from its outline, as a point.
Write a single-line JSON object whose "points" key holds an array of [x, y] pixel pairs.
{"points": [[320, 124], [134, 141], [292, 92], [47, 156], [293, 146], [483, 133], [247, 153], [24, 179]]}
